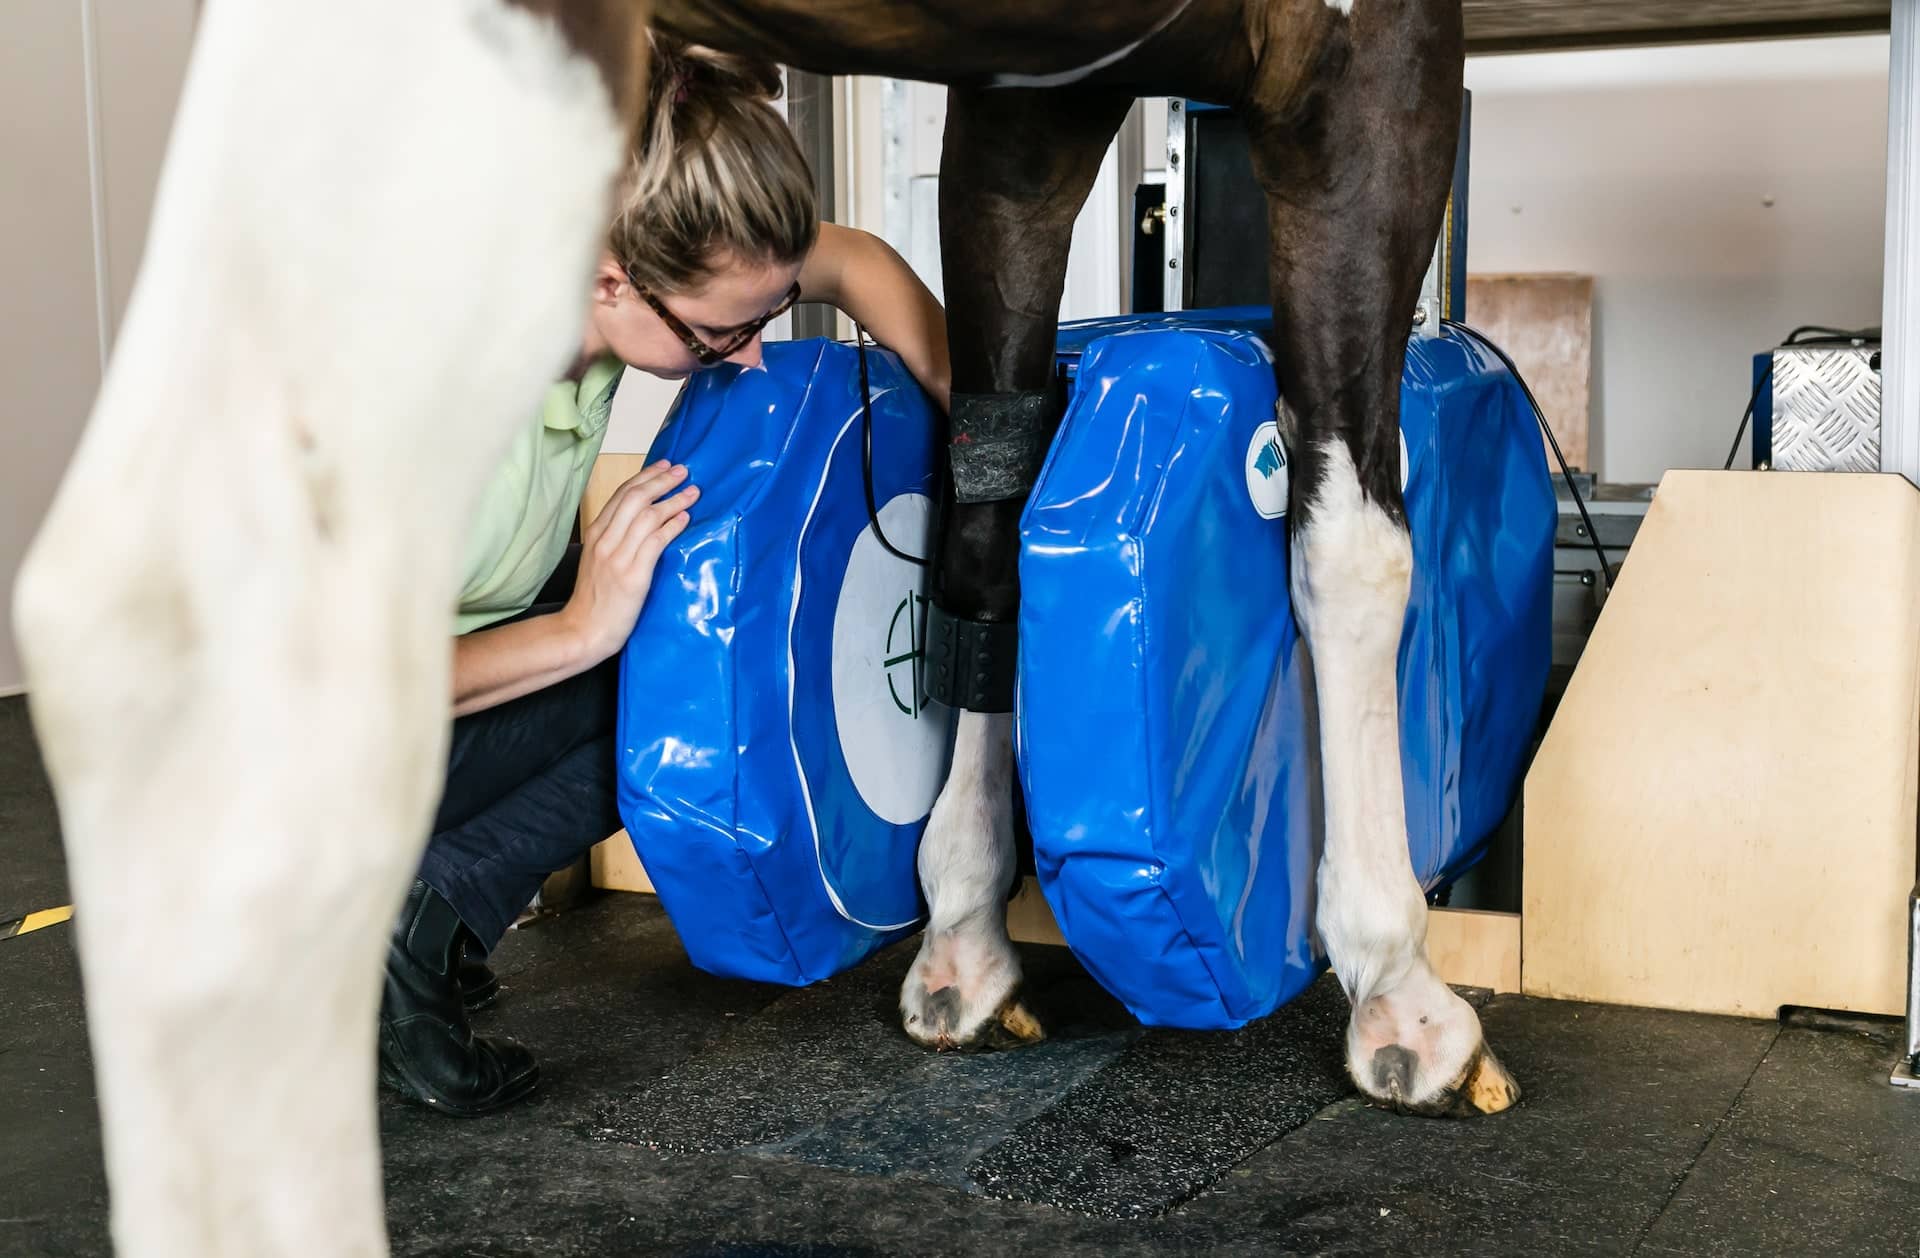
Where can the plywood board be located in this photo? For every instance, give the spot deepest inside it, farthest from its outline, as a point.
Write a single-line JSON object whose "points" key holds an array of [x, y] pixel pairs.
{"points": [[610, 471], [1470, 949], [1475, 949], [614, 866], [1545, 323], [1722, 816]]}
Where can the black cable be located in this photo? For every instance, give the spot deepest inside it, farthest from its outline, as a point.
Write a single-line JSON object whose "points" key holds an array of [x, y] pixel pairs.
{"points": [[1740, 433], [866, 451], [1830, 334], [1540, 417]]}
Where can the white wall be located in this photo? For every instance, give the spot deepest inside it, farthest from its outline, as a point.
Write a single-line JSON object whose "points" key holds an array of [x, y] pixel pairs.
{"points": [[73, 221], [1720, 195]]}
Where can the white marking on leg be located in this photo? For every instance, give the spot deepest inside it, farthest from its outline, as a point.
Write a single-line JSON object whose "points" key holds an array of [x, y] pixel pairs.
{"points": [[1352, 568], [1341, 6], [369, 251], [966, 869]]}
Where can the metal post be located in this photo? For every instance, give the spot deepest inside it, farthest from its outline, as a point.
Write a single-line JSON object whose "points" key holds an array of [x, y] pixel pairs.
{"points": [[810, 114], [1131, 145], [1906, 1071], [1174, 294], [1900, 314], [1900, 366]]}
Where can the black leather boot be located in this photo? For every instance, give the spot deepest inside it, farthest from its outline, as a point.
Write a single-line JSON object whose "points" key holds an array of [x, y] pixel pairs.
{"points": [[428, 1053], [479, 986]]}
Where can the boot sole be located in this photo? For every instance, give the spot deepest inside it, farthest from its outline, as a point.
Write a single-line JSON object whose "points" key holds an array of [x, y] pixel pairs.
{"points": [[513, 1090]]}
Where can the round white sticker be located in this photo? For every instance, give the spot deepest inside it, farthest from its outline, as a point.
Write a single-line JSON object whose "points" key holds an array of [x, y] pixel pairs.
{"points": [[1267, 472], [893, 739]]}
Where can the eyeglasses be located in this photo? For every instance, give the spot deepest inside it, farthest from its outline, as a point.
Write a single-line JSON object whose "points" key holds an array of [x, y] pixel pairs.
{"points": [[707, 355]]}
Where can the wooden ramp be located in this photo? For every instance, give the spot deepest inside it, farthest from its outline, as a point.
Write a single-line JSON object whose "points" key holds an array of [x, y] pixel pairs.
{"points": [[1722, 817]]}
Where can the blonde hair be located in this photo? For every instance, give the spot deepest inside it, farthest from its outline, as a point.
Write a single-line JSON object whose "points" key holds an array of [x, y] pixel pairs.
{"points": [[716, 173]]}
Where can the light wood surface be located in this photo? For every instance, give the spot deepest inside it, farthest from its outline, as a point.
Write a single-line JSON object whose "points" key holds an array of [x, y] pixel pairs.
{"points": [[610, 471], [1722, 816], [1471, 949], [616, 866], [1545, 322]]}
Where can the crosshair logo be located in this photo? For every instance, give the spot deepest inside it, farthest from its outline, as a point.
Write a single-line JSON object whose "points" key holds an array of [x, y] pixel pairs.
{"points": [[906, 655]]}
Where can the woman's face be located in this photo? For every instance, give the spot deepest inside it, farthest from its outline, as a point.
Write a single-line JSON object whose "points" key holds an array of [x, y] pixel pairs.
{"points": [[734, 295]]}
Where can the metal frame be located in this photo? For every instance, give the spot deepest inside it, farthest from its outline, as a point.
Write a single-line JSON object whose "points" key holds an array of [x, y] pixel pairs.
{"points": [[810, 112], [1900, 313], [1906, 1071], [1174, 292], [1900, 363], [1426, 316]]}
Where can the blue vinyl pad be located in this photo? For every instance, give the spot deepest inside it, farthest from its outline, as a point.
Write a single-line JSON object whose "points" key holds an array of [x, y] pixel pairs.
{"points": [[1166, 718], [777, 754]]}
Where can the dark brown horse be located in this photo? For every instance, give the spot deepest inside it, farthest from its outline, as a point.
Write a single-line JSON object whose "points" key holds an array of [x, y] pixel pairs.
{"points": [[1353, 109], [366, 259]]}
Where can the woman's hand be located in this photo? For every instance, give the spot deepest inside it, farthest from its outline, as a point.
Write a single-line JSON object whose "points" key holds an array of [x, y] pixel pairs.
{"points": [[618, 552]]}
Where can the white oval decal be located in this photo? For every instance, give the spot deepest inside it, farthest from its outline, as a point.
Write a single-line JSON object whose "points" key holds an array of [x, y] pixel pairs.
{"points": [[1267, 477], [894, 746]]}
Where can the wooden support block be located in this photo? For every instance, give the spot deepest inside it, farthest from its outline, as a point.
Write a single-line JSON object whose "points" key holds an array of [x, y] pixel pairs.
{"points": [[1546, 323], [1469, 948], [616, 867], [1722, 816], [610, 471]]}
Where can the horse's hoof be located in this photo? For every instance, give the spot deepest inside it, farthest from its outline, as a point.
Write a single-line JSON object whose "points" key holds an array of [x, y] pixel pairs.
{"points": [[1483, 1087], [1419, 1050], [944, 1022]]}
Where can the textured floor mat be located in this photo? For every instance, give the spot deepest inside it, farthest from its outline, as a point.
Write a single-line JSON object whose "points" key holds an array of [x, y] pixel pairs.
{"points": [[825, 1075], [1104, 1118], [1176, 1112]]}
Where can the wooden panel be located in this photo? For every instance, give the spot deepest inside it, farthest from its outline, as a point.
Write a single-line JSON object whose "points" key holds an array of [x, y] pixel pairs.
{"points": [[1474, 949], [610, 471], [1470, 949], [1722, 815], [1546, 323], [1505, 25], [615, 867]]}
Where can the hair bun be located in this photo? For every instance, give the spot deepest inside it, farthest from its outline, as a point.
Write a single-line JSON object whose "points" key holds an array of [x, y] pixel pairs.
{"points": [[682, 70]]}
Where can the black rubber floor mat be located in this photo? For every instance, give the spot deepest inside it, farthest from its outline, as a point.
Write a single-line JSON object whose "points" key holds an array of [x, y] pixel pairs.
{"points": [[1104, 1118], [825, 1075], [1175, 1112]]}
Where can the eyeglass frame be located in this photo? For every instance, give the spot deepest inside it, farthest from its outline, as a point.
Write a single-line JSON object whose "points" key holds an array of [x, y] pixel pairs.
{"points": [[704, 354]]}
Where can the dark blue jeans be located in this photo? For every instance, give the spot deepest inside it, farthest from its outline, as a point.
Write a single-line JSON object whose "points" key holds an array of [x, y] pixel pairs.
{"points": [[529, 790]]}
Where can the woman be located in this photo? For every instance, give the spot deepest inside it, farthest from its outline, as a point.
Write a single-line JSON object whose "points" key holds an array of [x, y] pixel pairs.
{"points": [[717, 234]]}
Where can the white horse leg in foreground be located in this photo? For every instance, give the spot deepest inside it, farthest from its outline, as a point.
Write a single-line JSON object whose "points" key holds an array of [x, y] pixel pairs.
{"points": [[368, 255]]}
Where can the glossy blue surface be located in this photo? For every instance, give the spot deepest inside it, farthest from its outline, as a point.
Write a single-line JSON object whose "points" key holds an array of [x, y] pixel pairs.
{"points": [[733, 777], [1166, 721]]}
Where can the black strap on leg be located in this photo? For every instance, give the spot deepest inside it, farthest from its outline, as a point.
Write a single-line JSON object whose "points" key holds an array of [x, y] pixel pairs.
{"points": [[997, 441], [970, 663]]}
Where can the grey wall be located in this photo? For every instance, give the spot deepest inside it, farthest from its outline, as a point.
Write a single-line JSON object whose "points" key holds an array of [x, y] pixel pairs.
{"points": [[68, 272], [1651, 170]]}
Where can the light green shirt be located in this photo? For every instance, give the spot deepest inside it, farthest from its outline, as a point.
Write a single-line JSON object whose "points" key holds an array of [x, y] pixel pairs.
{"points": [[527, 511]]}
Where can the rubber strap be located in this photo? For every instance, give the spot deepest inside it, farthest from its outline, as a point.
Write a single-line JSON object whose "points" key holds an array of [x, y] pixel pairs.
{"points": [[970, 663]]}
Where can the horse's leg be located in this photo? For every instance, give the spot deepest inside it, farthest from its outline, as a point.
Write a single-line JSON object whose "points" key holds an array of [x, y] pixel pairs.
{"points": [[370, 248], [1356, 164], [1016, 166]]}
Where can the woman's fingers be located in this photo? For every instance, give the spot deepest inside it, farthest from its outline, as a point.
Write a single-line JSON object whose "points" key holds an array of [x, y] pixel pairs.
{"points": [[634, 498], [647, 526], [599, 524], [655, 543]]}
